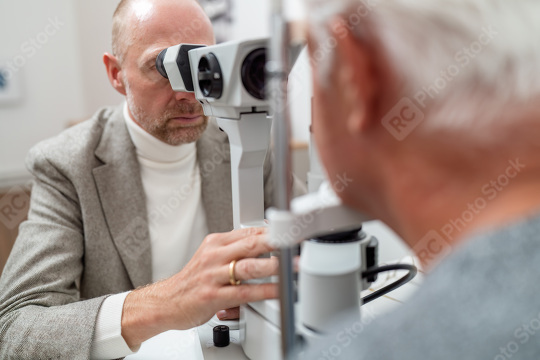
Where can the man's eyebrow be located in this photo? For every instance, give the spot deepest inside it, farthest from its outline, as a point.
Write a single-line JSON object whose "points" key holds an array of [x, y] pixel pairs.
{"points": [[151, 58]]}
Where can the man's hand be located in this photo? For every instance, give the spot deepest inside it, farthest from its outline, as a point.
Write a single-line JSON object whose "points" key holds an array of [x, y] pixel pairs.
{"points": [[196, 293]]}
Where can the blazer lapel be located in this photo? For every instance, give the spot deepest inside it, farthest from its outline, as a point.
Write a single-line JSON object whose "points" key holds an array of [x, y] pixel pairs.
{"points": [[213, 156], [122, 197]]}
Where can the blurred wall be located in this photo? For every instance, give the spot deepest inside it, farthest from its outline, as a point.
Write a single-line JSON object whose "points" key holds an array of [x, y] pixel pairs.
{"points": [[40, 49], [94, 28]]}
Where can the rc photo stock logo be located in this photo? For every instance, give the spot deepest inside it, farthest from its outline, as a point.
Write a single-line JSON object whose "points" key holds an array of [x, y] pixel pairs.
{"points": [[522, 335], [407, 114], [14, 207], [31, 46], [435, 245], [300, 224], [432, 248], [403, 118], [347, 336], [135, 236]]}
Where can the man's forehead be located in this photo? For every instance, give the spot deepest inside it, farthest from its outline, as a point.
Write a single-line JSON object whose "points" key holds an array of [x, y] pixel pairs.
{"points": [[155, 24], [149, 47]]}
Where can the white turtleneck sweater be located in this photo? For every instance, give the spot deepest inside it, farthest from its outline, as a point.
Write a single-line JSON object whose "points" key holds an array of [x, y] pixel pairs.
{"points": [[177, 223]]}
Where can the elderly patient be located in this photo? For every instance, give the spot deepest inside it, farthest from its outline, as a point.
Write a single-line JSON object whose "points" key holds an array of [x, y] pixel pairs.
{"points": [[439, 101]]}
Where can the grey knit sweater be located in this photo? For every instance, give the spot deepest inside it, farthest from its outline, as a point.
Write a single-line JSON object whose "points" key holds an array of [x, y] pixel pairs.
{"points": [[481, 302]]}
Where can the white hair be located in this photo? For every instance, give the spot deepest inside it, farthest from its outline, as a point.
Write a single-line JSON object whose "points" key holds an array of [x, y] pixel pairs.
{"points": [[459, 59]]}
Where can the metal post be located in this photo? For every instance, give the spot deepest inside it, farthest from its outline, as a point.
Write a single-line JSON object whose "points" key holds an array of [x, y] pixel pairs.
{"points": [[278, 69]]}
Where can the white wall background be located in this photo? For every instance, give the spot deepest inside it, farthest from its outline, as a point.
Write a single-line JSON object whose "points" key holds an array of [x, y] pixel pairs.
{"points": [[59, 68], [49, 68], [94, 20], [63, 78]]}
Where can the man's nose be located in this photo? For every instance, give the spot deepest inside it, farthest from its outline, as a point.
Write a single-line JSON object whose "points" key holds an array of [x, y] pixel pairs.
{"points": [[184, 96]]}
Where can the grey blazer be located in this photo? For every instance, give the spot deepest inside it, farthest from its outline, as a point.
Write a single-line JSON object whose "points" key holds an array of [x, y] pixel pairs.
{"points": [[87, 235]]}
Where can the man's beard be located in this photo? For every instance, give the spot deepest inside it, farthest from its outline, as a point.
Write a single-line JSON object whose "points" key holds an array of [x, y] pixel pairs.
{"points": [[163, 129]]}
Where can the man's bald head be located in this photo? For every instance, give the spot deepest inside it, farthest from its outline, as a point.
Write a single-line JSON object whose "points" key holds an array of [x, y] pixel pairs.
{"points": [[126, 17], [141, 30]]}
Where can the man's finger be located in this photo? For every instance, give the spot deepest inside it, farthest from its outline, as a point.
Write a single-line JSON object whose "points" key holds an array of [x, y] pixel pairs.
{"points": [[236, 235], [247, 269], [241, 294], [229, 314], [250, 246]]}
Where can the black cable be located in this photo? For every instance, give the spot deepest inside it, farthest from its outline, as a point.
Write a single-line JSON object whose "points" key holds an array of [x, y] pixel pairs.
{"points": [[393, 286]]}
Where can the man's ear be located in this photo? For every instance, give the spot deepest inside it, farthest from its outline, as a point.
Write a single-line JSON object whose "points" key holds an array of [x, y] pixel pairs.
{"points": [[114, 72], [356, 76]]}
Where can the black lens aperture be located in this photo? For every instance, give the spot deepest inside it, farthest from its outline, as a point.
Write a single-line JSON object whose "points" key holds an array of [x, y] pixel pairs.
{"points": [[253, 73]]}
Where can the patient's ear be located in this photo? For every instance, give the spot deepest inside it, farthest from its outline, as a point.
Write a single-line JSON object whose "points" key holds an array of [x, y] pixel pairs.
{"points": [[357, 77], [114, 72]]}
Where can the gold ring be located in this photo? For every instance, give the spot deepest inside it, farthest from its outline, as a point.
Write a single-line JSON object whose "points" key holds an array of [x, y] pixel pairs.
{"points": [[232, 278]]}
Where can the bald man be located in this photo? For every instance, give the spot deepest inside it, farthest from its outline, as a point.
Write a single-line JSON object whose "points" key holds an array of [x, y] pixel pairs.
{"points": [[124, 201], [439, 102]]}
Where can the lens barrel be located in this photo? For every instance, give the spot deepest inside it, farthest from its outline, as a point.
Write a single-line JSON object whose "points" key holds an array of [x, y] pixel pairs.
{"points": [[253, 73]]}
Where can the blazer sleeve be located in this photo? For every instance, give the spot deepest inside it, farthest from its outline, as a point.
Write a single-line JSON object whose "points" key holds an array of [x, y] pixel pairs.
{"points": [[41, 313]]}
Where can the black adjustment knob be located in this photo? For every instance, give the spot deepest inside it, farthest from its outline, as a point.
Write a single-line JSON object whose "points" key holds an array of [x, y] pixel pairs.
{"points": [[221, 336]]}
